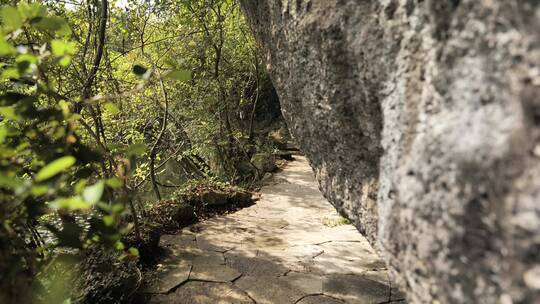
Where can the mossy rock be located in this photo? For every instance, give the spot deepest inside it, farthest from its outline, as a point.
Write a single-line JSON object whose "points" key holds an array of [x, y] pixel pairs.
{"points": [[231, 195], [185, 213], [172, 213], [286, 155], [240, 197], [214, 197], [265, 162]]}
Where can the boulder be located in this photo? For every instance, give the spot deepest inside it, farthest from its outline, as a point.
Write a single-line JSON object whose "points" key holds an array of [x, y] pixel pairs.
{"points": [[421, 120], [264, 162], [184, 213], [240, 197], [214, 197], [170, 214]]}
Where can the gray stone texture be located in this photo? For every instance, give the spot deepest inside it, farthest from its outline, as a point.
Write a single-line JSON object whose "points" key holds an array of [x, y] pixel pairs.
{"points": [[421, 120]]}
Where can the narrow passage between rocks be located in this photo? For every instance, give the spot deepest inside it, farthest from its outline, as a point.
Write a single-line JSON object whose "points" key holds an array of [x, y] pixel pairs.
{"points": [[290, 247]]}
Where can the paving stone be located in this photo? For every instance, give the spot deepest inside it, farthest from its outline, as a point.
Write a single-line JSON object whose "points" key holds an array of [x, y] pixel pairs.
{"points": [[255, 266], [355, 289], [349, 250], [308, 283], [302, 252], [398, 296], [295, 258], [169, 276], [187, 230], [180, 241], [213, 273], [198, 256], [205, 242], [380, 276], [246, 250], [319, 299], [331, 264], [195, 292], [266, 240], [269, 290]]}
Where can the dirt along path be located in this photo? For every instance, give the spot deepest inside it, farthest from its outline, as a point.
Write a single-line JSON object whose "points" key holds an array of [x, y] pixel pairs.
{"points": [[290, 247]]}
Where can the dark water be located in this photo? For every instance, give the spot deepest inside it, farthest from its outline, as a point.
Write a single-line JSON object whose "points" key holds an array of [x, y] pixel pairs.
{"points": [[49, 238]]}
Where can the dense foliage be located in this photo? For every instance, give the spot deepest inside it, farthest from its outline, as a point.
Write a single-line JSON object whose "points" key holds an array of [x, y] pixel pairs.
{"points": [[107, 107]]}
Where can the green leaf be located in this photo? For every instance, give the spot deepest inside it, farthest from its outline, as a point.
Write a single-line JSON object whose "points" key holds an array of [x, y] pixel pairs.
{"points": [[10, 73], [133, 251], [108, 220], [31, 11], [79, 186], [64, 30], [136, 149], [180, 75], [114, 183], [5, 47], [9, 113], [24, 67], [71, 203], [111, 108], [117, 208], [3, 133], [54, 24], [65, 61], [119, 246], [9, 182], [27, 58], [11, 17], [93, 193], [55, 167], [142, 72], [60, 47], [139, 70], [39, 190]]}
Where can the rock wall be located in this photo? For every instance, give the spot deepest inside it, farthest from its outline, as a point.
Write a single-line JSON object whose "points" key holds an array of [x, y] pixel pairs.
{"points": [[421, 119]]}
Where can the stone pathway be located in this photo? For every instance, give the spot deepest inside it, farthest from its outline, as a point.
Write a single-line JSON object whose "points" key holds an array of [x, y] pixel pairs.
{"points": [[290, 247]]}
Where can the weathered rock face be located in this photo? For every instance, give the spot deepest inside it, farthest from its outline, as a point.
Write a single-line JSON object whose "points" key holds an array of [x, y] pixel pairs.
{"points": [[421, 120]]}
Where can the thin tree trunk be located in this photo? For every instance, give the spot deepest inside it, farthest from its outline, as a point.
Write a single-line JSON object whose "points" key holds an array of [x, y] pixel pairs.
{"points": [[87, 87], [134, 213], [153, 151], [252, 118]]}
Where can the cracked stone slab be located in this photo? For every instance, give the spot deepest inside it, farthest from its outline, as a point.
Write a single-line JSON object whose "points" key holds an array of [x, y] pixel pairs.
{"points": [[380, 276], [291, 252], [330, 263], [255, 266], [269, 290], [197, 256], [244, 250], [169, 276], [307, 283], [214, 244], [179, 240], [356, 289], [213, 273], [195, 292], [266, 240], [295, 258], [319, 299], [348, 249]]}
